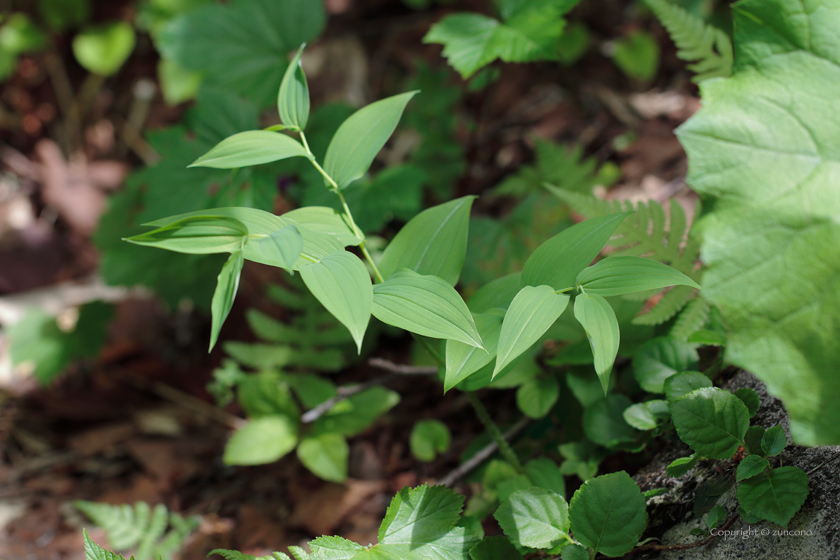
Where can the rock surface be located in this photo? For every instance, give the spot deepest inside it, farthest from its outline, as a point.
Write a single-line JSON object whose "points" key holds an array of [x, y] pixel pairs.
{"points": [[813, 533]]}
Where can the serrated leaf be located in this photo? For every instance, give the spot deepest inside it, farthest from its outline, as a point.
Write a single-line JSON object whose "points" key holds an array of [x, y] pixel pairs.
{"points": [[679, 467], [261, 440], [360, 137], [536, 396], [236, 555], [433, 242], [598, 319], [775, 496], [683, 383], [103, 49], [429, 438], [293, 99], [660, 358], [226, 286], [715, 517], [253, 147], [331, 548], [197, 235], [608, 514], [95, 552], [342, 284], [537, 518], [531, 313], [604, 423], [282, 247], [558, 261], [750, 466], [711, 421], [495, 548], [768, 168], [615, 276], [774, 440], [425, 305], [752, 440], [462, 360], [750, 399], [325, 455]]}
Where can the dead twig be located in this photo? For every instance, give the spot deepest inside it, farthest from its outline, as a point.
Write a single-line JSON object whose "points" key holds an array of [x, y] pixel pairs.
{"points": [[707, 540], [484, 454], [402, 369]]}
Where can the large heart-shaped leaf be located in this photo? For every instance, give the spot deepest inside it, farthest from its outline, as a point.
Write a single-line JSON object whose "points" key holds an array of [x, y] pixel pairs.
{"points": [[775, 495], [433, 242], [425, 305]]}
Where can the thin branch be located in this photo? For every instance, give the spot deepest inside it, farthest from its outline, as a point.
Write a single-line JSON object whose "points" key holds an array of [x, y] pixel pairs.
{"points": [[402, 369], [484, 454], [824, 463], [707, 540]]}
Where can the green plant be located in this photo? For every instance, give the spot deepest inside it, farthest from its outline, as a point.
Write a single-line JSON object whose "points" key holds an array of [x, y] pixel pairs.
{"points": [[766, 166], [140, 527]]}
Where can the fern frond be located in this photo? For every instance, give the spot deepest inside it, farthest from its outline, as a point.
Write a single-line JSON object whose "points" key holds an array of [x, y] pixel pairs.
{"points": [[140, 526], [670, 304], [708, 47], [691, 319]]}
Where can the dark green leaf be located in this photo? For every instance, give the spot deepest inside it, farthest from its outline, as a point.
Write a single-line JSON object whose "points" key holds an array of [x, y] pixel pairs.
{"points": [[659, 359], [433, 242], [495, 548], [715, 517], [536, 396], [253, 147], [750, 466], [226, 286], [558, 261], [342, 285], [262, 440], [775, 496], [683, 383], [749, 398], [61, 14], [608, 514], [357, 413], [615, 276], [536, 517], [360, 138], [752, 440], [708, 493], [198, 235], [601, 325], [711, 421], [293, 99], [574, 552], [531, 313], [679, 467], [774, 440], [325, 455], [425, 305], [604, 423]]}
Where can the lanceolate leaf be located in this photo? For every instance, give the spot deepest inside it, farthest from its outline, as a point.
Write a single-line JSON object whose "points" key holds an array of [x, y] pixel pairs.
{"points": [[342, 285], [531, 313], [536, 517], [558, 261], [226, 288], [293, 99], [615, 276], [711, 421], [359, 138], [250, 148], [775, 496], [199, 235], [433, 242], [320, 219], [768, 166], [425, 305], [462, 360], [282, 247], [601, 325], [608, 514]]}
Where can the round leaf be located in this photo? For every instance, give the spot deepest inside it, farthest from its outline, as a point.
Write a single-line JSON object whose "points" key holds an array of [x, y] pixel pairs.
{"points": [[260, 441], [429, 438], [711, 421], [536, 396], [536, 517], [103, 49], [325, 455], [604, 423]]}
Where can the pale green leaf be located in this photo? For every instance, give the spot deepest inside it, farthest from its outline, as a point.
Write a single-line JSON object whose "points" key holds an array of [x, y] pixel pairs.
{"points": [[177, 84], [637, 55], [342, 285], [495, 548], [198, 235], [679, 467], [775, 496], [429, 438], [360, 137], [282, 247], [660, 358], [226, 286], [608, 514], [358, 412], [250, 148], [763, 152], [558, 261], [497, 293], [537, 517], [715, 517], [774, 440], [293, 99], [433, 242], [104, 48], [331, 548], [683, 383], [320, 219], [462, 360], [466, 37], [325, 455], [601, 325], [262, 440], [536, 396], [615, 276], [750, 466], [531, 313], [711, 421], [639, 416], [425, 305]]}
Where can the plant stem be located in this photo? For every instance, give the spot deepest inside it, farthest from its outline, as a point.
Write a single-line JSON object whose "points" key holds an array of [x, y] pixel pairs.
{"points": [[480, 411], [334, 188]]}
